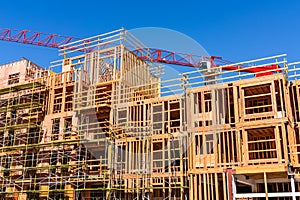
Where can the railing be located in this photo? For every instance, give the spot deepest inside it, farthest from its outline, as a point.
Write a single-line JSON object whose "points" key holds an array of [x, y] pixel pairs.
{"points": [[217, 75], [293, 71]]}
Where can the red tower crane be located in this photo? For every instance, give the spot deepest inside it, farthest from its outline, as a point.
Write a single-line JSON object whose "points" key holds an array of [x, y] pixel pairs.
{"points": [[190, 60], [155, 55]]}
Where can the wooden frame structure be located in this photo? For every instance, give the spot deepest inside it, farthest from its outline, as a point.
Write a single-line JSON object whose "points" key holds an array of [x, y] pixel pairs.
{"points": [[107, 127]]}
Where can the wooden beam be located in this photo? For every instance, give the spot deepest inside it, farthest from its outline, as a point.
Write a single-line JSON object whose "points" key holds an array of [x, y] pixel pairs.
{"points": [[266, 186]]}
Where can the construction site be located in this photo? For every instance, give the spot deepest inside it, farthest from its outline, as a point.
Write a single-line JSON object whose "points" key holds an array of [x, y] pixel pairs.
{"points": [[102, 124]]}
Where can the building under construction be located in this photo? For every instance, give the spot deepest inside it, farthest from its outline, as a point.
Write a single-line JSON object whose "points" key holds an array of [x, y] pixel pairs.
{"points": [[102, 124]]}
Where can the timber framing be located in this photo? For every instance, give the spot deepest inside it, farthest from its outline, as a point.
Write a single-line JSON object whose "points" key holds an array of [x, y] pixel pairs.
{"points": [[106, 126]]}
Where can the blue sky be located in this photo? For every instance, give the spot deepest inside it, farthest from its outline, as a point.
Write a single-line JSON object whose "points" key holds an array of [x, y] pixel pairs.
{"points": [[236, 30]]}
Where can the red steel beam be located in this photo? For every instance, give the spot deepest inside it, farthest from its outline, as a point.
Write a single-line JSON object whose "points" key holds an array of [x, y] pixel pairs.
{"points": [[35, 38], [169, 57], [189, 60]]}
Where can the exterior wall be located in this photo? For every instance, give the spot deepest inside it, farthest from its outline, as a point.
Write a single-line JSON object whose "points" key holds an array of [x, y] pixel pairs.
{"points": [[26, 69], [74, 136]]}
